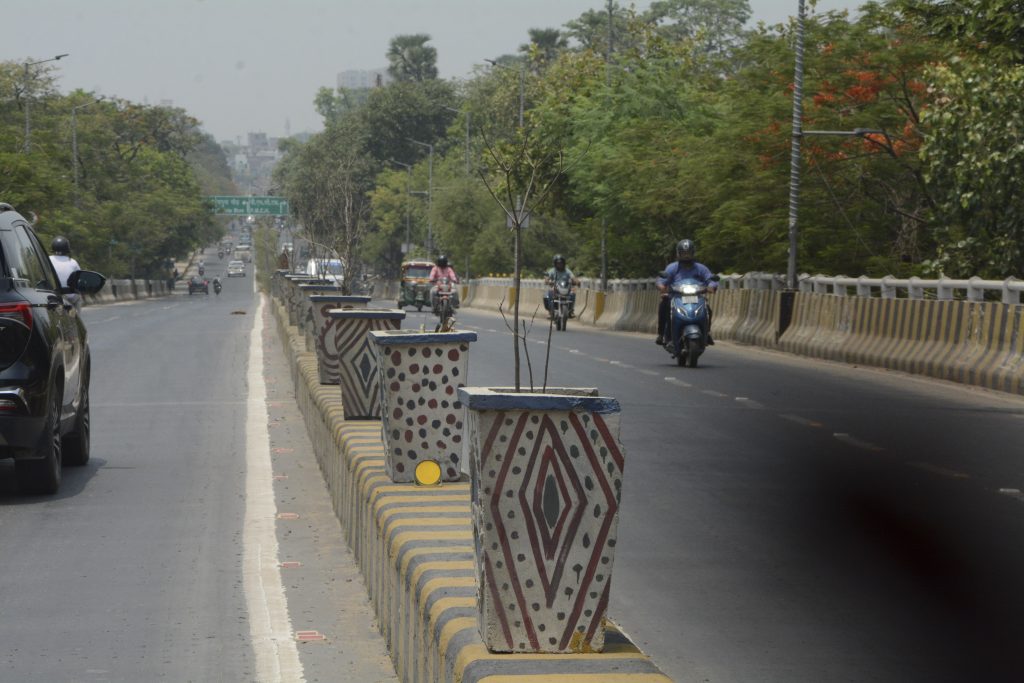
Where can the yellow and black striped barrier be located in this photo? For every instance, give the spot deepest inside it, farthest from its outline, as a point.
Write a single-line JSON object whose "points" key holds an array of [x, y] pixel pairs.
{"points": [[414, 546]]}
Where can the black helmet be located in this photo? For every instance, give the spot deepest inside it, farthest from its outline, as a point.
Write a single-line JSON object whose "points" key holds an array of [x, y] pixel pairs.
{"points": [[686, 251], [558, 258], [442, 261], [60, 246]]}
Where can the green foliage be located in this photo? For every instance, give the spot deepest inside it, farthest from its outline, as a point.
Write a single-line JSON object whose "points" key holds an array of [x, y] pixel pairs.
{"points": [[411, 59]]}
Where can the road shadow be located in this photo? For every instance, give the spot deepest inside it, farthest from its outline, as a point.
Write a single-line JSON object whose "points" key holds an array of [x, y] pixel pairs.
{"points": [[74, 482]]}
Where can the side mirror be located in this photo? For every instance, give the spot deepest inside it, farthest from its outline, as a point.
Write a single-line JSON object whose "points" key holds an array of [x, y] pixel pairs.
{"points": [[85, 282]]}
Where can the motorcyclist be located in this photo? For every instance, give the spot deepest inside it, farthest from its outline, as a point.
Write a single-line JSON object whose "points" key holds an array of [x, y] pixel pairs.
{"points": [[556, 272], [60, 257], [440, 270], [216, 285], [685, 267]]}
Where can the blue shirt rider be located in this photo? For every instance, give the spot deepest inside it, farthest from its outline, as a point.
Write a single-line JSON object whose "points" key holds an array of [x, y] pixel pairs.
{"points": [[685, 267]]}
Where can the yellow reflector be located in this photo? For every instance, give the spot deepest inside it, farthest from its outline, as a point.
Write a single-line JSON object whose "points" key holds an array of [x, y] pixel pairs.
{"points": [[428, 473]]}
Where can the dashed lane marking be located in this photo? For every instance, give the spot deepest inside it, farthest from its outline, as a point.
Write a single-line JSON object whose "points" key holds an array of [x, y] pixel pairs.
{"points": [[801, 420], [939, 470], [676, 380], [855, 442], [1012, 493], [602, 360], [652, 373], [749, 402], [716, 394]]}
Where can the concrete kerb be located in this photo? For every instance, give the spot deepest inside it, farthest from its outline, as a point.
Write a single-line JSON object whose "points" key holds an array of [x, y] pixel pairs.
{"points": [[415, 548]]}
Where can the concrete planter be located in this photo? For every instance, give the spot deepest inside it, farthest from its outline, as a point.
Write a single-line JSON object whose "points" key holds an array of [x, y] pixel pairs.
{"points": [[325, 332], [546, 475], [291, 294], [360, 384], [304, 313], [277, 284], [422, 417]]}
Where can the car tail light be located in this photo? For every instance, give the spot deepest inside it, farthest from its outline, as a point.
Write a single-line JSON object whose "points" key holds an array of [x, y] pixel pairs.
{"points": [[19, 312]]}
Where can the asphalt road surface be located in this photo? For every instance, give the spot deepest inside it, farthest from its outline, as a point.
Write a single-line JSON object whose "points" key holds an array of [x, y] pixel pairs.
{"points": [[782, 519]]}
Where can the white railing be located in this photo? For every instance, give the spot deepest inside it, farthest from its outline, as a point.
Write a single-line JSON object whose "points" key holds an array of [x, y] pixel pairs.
{"points": [[888, 287]]}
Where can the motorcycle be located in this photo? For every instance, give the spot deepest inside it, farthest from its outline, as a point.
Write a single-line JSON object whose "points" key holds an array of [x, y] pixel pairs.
{"points": [[216, 286], [220, 255], [443, 307], [202, 271], [688, 322], [561, 302]]}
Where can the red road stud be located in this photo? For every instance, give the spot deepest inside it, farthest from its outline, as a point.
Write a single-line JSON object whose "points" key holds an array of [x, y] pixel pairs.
{"points": [[309, 636], [284, 450], [290, 565], [287, 515], [280, 477]]}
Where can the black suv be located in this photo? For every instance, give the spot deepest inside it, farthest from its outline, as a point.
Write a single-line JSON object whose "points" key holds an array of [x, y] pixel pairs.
{"points": [[44, 360]]}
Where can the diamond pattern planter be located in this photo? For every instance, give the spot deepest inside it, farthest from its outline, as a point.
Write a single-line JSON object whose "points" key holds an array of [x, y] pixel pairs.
{"points": [[326, 331], [421, 415], [360, 383], [546, 477]]}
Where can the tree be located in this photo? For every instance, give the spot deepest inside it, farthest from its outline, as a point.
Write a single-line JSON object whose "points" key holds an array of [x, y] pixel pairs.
{"points": [[544, 46], [411, 59]]}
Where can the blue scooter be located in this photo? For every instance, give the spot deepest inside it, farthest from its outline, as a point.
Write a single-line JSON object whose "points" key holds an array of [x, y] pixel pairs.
{"points": [[689, 322]]}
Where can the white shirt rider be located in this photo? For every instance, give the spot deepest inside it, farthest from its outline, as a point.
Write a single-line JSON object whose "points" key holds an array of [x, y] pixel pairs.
{"points": [[64, 265]]}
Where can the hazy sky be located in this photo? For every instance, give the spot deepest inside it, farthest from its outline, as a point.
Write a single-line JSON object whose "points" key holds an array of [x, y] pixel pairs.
{"points": [[255, 65]]}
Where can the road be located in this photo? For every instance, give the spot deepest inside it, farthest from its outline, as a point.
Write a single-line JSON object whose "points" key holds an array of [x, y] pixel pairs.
{"points": [[782, 519]]}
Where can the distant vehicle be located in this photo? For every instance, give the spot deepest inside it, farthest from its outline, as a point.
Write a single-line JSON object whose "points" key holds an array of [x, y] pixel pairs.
{"points": [[198, 284], [243, 252], [44, 360], [330, 269], [236, 269], [415, 284]]}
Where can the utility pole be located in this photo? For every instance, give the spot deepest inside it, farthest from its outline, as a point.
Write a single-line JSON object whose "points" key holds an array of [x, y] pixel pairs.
{"points": [[604, 219], [430, 194], [794, 154]]}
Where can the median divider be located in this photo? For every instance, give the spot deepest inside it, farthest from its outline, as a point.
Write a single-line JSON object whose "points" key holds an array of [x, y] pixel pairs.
{"points": [[415, 548]]}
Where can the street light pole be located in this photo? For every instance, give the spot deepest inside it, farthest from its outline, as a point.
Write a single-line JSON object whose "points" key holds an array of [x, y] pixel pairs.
{"points": [[430, 195], [408, 192], [794, 154], [522, 85], [74, 142], [28, 99]]}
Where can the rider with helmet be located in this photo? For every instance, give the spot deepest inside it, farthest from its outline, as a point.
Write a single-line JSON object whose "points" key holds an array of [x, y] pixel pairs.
{"points": [[685, 267], [557, 271], [440, 270], [63, 263]]}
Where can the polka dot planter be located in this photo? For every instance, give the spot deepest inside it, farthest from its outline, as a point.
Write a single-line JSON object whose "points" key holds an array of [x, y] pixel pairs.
{"points": [[357, 358], [546, 473], [325, 331], [421, 414]]}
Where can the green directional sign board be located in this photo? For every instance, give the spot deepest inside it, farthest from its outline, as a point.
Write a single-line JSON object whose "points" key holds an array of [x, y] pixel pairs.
{"points": [[250, 206]]}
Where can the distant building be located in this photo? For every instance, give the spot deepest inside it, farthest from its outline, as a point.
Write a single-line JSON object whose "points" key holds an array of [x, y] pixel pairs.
{"points": [[363, 79]]}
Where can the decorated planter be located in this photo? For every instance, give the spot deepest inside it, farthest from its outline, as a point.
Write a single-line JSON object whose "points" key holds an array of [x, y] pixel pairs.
{"points": [[360, 384], [277, 284], [304, 309], [326, 330], [421, 414], [546, 475], [291, 294]]}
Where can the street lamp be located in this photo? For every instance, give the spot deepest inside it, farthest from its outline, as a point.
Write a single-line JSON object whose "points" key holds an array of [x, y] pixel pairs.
{"points": [[430, 195], [468, 114], [74, 140], [28, 120], [408, 191]]}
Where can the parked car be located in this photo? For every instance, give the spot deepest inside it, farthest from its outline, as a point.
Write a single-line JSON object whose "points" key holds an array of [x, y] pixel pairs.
{"points": [[44, 360], [236, 269], [198, 284]]}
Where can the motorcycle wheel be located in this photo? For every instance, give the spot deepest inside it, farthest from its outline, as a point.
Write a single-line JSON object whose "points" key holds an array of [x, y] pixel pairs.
{"points": [[692, 358], [681, 359], [419, 308]]}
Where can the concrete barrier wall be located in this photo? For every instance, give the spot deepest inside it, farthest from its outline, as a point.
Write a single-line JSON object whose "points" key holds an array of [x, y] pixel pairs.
{"points": [[414, 546], [127, 290]]}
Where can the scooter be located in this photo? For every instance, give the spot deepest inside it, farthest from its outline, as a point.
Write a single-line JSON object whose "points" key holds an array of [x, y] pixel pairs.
{"points": [[689, 322], [216, 286], [202, 271], [444, 308], [561, 302], [220, 255]]}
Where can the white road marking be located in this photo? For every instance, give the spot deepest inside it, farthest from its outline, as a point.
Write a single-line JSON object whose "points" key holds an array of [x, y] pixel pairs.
{"points": [[602, 360], [166, 307], [575, 351], [800, 420], [492, 331], [716, 394], [107, 320], [939, 470], [1012, 493], [749, 402], [854, 441], [652, 373], [277, 655], [676, 380]]}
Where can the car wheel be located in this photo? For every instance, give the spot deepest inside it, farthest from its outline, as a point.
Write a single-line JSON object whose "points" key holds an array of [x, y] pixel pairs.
{"points": [[42, 475], [76, 444]]}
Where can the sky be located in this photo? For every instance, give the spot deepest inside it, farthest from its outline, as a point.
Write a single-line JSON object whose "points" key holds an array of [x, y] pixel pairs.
{"points": [[243, 66]]}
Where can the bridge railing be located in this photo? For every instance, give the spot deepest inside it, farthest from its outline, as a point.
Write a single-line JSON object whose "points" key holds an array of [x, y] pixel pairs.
{"points": [[888, 287]]}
